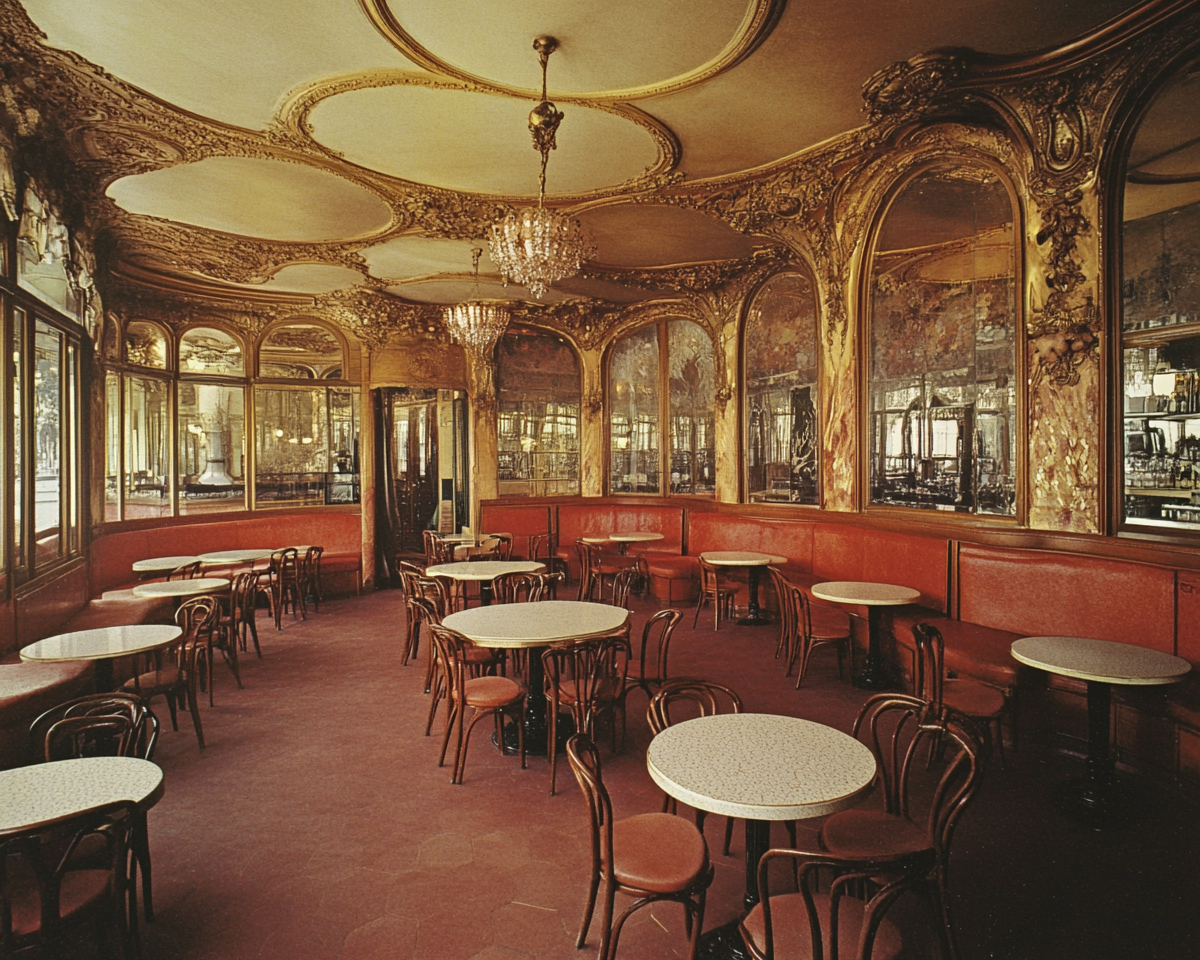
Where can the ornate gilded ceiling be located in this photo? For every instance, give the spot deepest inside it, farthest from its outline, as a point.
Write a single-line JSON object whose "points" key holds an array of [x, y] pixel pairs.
{"points": [[321, 146]]}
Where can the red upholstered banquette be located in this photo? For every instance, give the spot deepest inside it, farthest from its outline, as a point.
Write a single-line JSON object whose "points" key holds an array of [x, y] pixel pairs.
{"points": [[576, 520], [523, 522]]}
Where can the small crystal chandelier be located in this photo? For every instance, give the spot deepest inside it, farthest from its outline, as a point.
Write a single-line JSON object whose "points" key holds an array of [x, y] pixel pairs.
{"points": [[535, 246], [478, 324]]}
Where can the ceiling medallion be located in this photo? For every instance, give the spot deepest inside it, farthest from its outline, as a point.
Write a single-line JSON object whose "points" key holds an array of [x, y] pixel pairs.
{"points": [[478, 324], [535, 246]]}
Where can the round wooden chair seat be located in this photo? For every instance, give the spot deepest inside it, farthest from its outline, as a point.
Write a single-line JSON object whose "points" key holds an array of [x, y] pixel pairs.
{"points": [[607, 689], [861, 834], [491, 693], [658, 852], [973, 698], [79, 889], [792, 936], [829, 623]]}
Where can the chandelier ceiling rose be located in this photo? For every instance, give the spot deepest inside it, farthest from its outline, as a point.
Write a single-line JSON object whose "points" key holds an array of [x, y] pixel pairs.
{"points": [[535, 246]]}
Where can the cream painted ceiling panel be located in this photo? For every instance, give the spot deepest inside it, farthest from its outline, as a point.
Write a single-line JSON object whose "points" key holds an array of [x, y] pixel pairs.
{"points": [[269, 199], [458, 289], [1171, 122], [231, 60], [404, 257], [478, 142], [313, 278], [605, 44], [804, 85], [643, 235]]}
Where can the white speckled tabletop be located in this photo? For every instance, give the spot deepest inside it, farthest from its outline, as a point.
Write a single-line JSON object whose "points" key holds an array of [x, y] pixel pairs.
{"points": [[866, 594], [1100, 660], [536, 624], [740, 558], [483, 569], [156, 564], [236, 556], [760, 766], [182, 588], [45, 791], [634, 537], [102, 643]]}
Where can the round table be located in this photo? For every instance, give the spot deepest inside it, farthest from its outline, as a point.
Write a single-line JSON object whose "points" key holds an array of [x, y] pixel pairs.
{"points": [[102, 645], [623, 540], [234, 556], [873, 596], [43, 792], [755, 561], [182, 588], [1096, 797], [161, 564], [760, 767], [533, 627], [484, 571]]}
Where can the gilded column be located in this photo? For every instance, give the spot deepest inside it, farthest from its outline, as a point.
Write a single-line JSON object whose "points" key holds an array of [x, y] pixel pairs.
{"points": [[592, 455], [726, 414], [481, 374], [366, 476]]}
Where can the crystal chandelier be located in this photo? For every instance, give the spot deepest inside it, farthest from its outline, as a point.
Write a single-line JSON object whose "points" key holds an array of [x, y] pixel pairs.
{"points": [[478, 324], [535, 246]]}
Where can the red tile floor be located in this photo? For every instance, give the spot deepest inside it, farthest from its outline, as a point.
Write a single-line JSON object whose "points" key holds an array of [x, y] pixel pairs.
{"points": [[318, 825]]}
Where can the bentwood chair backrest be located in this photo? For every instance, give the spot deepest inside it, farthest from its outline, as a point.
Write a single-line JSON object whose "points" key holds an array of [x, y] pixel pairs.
{"points": [[517, 588], [187, 572], [656, 647], [693, 697], [99, 724]]}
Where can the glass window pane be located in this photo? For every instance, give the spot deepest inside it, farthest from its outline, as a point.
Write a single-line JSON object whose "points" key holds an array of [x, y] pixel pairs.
{"points": [[693, 378], [20, 323], [205, 350], [781, 391], [342, 485], [112, 446], [633, 413], [75, 450], [1161, 314], [537, 387], [300, 351], [942, 347], [211, 448], [146, 345], [43, 249], [292, 445], [147, 489], [47, 442]]}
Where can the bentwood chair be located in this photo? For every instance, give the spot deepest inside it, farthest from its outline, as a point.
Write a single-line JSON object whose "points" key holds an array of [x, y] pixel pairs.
{"points": [[517, 588], [816, 626], [983, 703], [224, 634], [711, 589], [651, 857], [586, 678], [497, 697], [696, 698], [48, 899], [650, 671], [310, 577], [283, 585], [541, 550], [622, 584], [98, 725], [596, 565], [174, 672], [241, 621], [905, 840], [828, 926], [189, 571]]}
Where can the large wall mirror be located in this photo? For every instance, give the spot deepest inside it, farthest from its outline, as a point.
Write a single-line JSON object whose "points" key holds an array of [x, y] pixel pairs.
{"points": [[942, 396], [1160, 325], [780, 352]]}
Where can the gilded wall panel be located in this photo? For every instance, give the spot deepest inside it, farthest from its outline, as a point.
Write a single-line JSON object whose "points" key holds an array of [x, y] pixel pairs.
{"points": [[423, 363]]}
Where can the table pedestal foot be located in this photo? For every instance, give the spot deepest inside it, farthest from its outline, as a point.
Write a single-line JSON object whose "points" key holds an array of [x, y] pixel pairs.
{"points": [[1098, 799], [753, 617], [875, 674], [723, 943]]}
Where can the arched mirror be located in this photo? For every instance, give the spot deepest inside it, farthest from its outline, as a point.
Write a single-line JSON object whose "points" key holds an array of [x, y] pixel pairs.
{"points": [[537, 392], [300, 351], [145, 345], [209, 351], [942, 398], [1160, 302], [780, 353]]}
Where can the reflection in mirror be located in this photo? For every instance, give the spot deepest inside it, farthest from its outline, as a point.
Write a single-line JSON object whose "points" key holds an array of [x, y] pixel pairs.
{"points": [[210, 351], [692, 386], [633, 413], [146, 345], [306, 446], [147, 492], [300, 351], [43, 252], [942, 342], [1161, 310], [211, 448], [781, 391], [537, 391], [48, 377]]}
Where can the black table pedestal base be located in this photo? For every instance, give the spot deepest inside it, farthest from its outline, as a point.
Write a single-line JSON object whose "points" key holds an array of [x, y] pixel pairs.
{"points": [[723, 943], [1099, 799], [875, 674], [753, 617]]}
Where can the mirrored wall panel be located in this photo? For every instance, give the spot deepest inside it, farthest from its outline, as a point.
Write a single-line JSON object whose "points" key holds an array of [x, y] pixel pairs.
{"points": [[942, 362], [780, 416], [1161, 312], [633, 393], [693, 467]]}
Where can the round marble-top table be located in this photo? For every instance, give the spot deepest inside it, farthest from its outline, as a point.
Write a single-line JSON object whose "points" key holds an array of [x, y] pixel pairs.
{"points": [[234, 556], [760, 767], [43, 792], [873, 596], [534, 626], [182, 588], [1096, 798], [102, 645], [755, 562], [623, 540], [484, 571], [161, 564]]}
